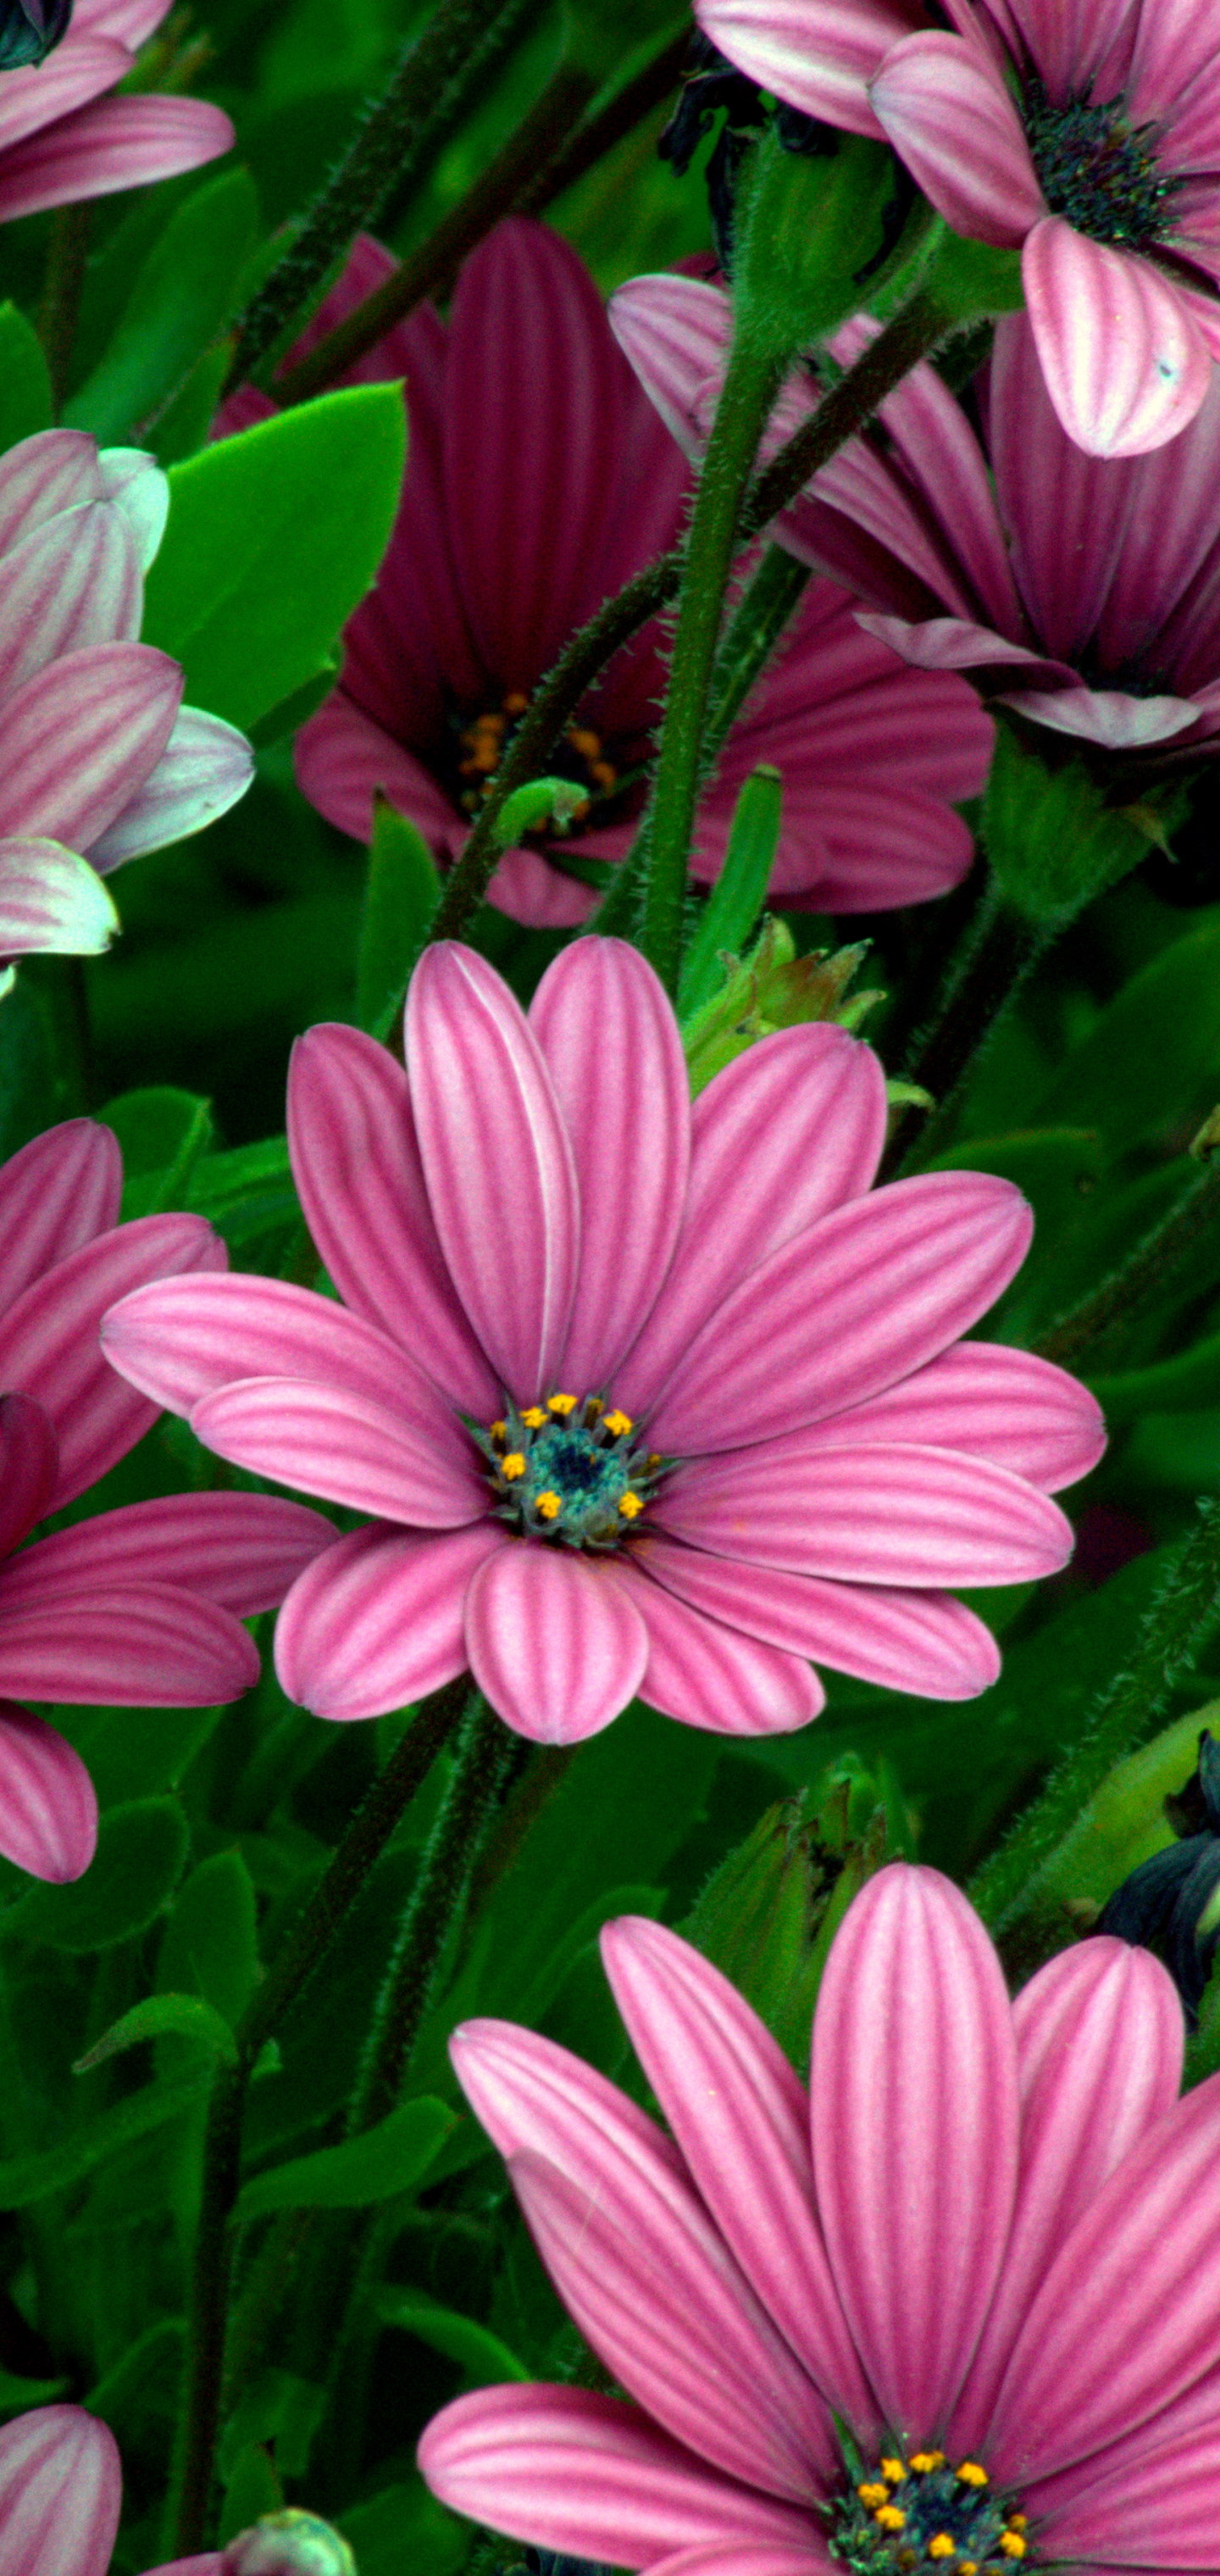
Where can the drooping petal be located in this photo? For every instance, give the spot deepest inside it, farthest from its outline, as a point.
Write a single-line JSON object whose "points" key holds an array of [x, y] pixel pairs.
{"points": [[992, 1401], [29, 1465], [572, 2470], [346, 1448], [379, 1620], [674, 332], [61, 2484], [204, 769], [741, 2120], [241, 1550], [611, 1046], [789, 1131], [1112, 717], [52, 903], [151, 1646], [859, 1300], [709, 1675], [343, 760], [497, 1162], [904, 1515], [48, 1809], [818, 55], [1125, 367], [924, 1642], [943, 105], [557, 1646], [80, 738], [73, 75], [913, 2097], [356, 1163], [74, 580], [115, 143], [50, 1344], [57, 1193]]}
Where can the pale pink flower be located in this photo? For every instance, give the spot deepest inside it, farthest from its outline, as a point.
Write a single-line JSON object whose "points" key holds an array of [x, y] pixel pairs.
{"points": [[62, 138], [99, 759], [982, 2251], [537, 482], [642, 1398], [139, 1607], [61, 2493], [1085, 136]]}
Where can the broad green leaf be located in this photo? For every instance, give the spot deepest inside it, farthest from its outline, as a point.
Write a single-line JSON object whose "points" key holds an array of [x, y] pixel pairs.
{"points": [[210, 1942], [401, 894], [162, 1133], [186, 2016], [273, 538], [234, 974], [182, 428], [25, 386], [140, 1851], [484, 2358], [294, 711], [386, 2160], [1180, 1385], [1125, 1822], [182, 297], [154, 2357], [134, 1752], [737, 898], [1150, 1065], [25, 2179], [278, 2407], [252, 2490], [16, 2395]]}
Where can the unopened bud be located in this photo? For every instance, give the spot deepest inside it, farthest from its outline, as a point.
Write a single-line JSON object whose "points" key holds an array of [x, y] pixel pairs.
{"points": [[771, 989], [29, 29], [291, 2543]]}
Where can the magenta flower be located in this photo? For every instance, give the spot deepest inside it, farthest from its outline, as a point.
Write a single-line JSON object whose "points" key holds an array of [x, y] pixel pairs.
{"points": [[641, 1398], [62, 138], [61, 2493], [1085, 137], [139, 1607], [538, 482], [99, 759], [954, 2310]]}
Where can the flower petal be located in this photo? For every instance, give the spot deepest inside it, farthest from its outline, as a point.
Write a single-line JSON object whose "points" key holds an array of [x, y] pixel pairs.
{"points": [[1111, 717], [48, 1810], [240, 1550], [1159, 2510], [786, 1133], [379, 1620], [73, 75], [343, 760], [205, 767], [29, 1468], [610, 1043], [52, 903], [151, 1646], [554, 1642], [709, 1675], [72, 581], [80, 738], [197, 1335], [864, 1297], [1125, 367], [497, 1162], [115, 143], [991, 1401], [748, 2558], [346, 1448], [56, 1194], [913, 2094], [924, 1642], [134, 481], [918, 1516], [818, 55], [61, 2483], [54, 470], [943, 105]]}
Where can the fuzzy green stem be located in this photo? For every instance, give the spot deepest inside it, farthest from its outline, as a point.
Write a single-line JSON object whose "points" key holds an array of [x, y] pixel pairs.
{"points": [[1000, 949], [598, 134], [63, 286], [1138, 1280], [465, 93]]}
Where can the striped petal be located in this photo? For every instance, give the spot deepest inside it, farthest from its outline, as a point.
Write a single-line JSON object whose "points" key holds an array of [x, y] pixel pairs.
{"points": [[240, 1550], [924, 1642], [709, 1675], [818, 55], [346, 1448], [134, 481], [205, 768], [556, 1645], [56, 1194], [919, 1516], [80, 738], [944, 106], [61, 2484], [991, 1401], [48, 1809], [197, 1335], [52, 903], [76, 73], [379, 1620], [115, 143], [55, 470], [29, 1467], [1125, 366], [72, 581], [749, 2558], [148, 1647]]}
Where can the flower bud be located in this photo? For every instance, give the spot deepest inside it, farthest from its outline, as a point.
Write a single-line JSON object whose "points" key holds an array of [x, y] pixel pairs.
{"points": [[773, 988], [29, 29], [291, 2543]]}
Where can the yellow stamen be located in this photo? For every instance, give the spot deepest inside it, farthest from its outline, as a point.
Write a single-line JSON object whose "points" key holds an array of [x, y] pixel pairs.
{"points": [[618, 1424], [512, 1466], [969, 2567], [893, 2471], [890, 2518], [1017, 2521], [603, 773], [533, 1417], [515, 703], [593, 1406], [924, 2461], [971, 2475], [549, 1506], [499, 1430], [630, 1506], [873, 2494], [584, 741], [562, 1404], [1011, 2545], [940, 2545]]}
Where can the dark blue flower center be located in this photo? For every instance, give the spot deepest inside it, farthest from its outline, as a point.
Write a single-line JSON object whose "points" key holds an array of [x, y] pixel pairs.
{"points": [[569, 1469], [914, 2512], [1098, 170]]}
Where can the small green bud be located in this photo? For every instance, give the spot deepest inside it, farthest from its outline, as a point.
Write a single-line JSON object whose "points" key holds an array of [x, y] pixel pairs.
{"points": [[542, 802], [291, 2543], [771, 989]]}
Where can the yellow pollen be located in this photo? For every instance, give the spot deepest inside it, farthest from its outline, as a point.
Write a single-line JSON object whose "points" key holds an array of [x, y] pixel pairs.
{"points": [[563, 1404], [512, 1466], [969, 2567], [923, 2462], [618, 1424], [515, 703], [499, 1430], [940, 2545], [584, 741], [1011, 2545], [893, 2471], [890, 2518], [1017, 2521], [872, 2495], [630, 1506], [533, 1417], [603, 773], [971, 2475], [550, 1506]]}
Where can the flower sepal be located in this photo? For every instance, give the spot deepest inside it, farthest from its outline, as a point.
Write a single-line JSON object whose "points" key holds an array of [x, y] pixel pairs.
{"points": [[773, 989], [816, 230], [1053, 839]]}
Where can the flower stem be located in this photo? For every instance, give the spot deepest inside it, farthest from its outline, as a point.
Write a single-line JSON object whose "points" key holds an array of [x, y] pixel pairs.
{"points": [[598, 134], [1139, 1279], [307, 1945], [430, 269], [1000, 948], [63, 285], [486, 1758]]}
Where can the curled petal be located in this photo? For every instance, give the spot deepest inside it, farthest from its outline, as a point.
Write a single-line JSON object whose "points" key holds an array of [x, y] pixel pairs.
{"points": [[379, 1620], [56, 1194], [1125, 366], [943, 105], [61, 2485], [135, 482], [205, 767], [555, 1643], [48, 1809], [52, 903]]}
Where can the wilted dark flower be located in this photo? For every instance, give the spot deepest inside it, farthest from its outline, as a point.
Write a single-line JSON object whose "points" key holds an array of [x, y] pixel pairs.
{"points": [[1166, 1904], [29, 29]]}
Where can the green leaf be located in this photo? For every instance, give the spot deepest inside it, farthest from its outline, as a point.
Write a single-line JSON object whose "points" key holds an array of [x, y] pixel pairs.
{"points": [[401, 894], [252, 2490], [1184, 1384], [134, 1752], [292, 712], [25, 2179], [18, 2394], [154, 2357], [210, 1942], [1150, 1065], [403, 2527], [162, 1133], [737, 898], [187, 2016], [140, 1851], [182, 296], [483, 2357], [182, 428], [277, 2407], [386, 2160], [25, 386], [273, 538]]}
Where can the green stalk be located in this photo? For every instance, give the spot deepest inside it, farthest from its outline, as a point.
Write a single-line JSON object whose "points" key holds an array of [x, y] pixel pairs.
{"points": [[1139, 1280], [1001, 947]]}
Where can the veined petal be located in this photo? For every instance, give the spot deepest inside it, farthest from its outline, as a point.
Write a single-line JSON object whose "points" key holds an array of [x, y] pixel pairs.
{"points": [[79, 739], [818, 55], [379, 1620], [789, 1131], [924, 1642], [204, 769], [913, 2097], [674, 332], [57, 1193], [48, 1809], [741, 2120], [1111, 717], [198, 1335], [356, 1163], [991, 1401], [346, 1448], [749, 2558], [610, 1043], [55, 470], [859, 1300], [497, 1162], [73, 75], [943, 105], [532, 2095], [1125, 366], [1160, 2509], [151, 1646], [115, 143], [52, 903], [61, 2481], [708, 1674], [893, 1515], [241, 1550], [553, 1641], [29, 1466], [572, 2470], [134, 481], [72, 581]]}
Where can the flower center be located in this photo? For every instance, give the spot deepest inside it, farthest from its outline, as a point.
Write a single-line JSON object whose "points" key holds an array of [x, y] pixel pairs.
{"points": [[1098, 171], [567, 1469], [918, 2512], [481, 742]]}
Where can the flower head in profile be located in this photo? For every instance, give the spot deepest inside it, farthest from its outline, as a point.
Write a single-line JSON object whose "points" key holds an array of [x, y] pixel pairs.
{"points": [[642, 1398], [538, 481], [99, 759], [61, 2494], [952, 2313], [63, 138], [1086, 137], [139, 1607]]}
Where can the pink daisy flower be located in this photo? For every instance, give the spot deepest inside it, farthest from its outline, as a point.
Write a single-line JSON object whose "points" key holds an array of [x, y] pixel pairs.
{"points": [[1086, 137], [99, 759], [643, 1398], [140, 1607], [538, 482], [62, 138], [61, 2494], [952, 2311]]}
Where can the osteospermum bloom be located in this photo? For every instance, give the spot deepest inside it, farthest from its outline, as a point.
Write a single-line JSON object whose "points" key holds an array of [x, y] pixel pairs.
{"points": [[63, 138], [139, 1607], [99, 759], [61, 2494], [954, 2310], [643, 1398], [537, 482]]}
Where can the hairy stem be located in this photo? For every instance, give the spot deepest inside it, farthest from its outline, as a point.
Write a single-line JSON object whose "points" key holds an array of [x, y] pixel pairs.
{"points": [[1138, 1280], [1001, 947], [598, 134], [63, 285]]}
